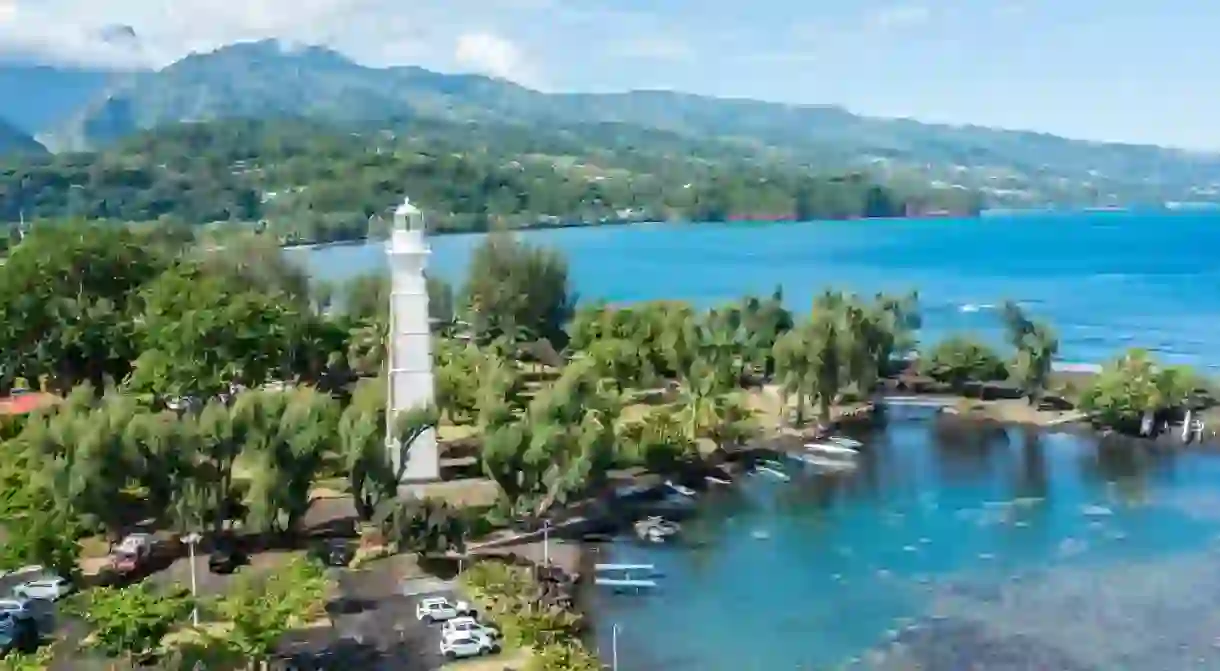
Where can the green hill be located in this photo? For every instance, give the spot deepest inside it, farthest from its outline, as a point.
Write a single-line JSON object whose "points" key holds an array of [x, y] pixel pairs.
{"points": [[307, 180], [264, 80]]}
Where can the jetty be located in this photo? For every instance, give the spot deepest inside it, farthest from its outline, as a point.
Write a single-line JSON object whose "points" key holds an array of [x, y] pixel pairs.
{"points": [[599, 577]]}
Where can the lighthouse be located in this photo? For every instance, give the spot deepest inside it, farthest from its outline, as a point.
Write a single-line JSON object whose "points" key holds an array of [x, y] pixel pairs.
{"points": [[410, 341]]}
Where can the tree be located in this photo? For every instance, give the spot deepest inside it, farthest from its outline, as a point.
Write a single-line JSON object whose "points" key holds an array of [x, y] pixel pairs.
{"points": [[291, 432], [374, 468], [958, 360], [424, 526], [42, 535], [518, 291], [1133, 385], [563, 445], [202, 333], [262, 607], [65, 293], [810, 360], [659, 442], [1036, 346], [130, 622]]}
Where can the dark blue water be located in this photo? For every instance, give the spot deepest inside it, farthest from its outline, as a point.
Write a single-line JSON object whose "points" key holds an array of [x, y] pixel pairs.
{"points": [[945, 529], [1107, 281]]}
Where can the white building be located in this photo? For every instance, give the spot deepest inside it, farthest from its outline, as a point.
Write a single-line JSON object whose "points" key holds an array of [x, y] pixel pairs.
{"points": [[410, 339]]}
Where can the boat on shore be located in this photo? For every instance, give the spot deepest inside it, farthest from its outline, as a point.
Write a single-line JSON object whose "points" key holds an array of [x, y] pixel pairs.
{"points": [[656, 529], [831, 449]]}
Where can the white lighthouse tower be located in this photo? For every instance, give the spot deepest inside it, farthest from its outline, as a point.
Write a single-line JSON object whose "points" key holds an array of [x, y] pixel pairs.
{"points": [[410, 340]]}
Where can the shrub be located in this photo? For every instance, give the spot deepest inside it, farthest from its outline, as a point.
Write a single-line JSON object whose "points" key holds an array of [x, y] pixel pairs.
{"points": [[959, 360], [513, 598]]}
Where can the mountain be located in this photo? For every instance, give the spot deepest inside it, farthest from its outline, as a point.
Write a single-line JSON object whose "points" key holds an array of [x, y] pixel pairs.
{"points": [[37, 96], [13, 141], [268, 80]]}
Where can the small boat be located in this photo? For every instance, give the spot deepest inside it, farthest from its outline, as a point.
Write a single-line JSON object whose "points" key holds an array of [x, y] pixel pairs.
{"points": [[780, 475], [656, 529], [684, 491], [846, 442], [827, 465], [831, 449]]}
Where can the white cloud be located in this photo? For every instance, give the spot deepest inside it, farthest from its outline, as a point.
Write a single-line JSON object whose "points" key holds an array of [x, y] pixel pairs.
{"points": [[490, 54], [376, 32]]}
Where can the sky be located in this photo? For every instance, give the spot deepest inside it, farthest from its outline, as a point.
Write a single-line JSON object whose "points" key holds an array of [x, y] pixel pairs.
{"points": [[1114, 70]]}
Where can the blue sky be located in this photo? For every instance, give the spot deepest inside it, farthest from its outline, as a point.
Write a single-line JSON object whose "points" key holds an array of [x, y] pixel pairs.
{"points": [[1129, 70]]}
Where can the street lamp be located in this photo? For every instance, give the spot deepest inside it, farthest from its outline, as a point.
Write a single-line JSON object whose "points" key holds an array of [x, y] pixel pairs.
{"points": [[191, 540], [614, 647], [546, 542]]}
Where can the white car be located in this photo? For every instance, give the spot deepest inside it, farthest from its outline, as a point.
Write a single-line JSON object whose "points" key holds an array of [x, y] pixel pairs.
{"points": [[439, 609], [16, 608], [468, 645], [460, 626], [49, 588]]}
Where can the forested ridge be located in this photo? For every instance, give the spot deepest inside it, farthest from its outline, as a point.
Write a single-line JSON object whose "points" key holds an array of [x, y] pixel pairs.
{"points": [[308, 181]]}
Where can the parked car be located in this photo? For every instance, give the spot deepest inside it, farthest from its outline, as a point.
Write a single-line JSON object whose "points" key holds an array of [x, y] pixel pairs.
{"points": [[440, 609], [131, 553], [227, 557], [468, 645], [48, 588], [462, 625], [16, 608], [333, 553]]}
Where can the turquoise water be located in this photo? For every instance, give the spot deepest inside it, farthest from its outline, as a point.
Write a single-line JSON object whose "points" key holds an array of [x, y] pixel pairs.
{"points": [[1107, 281], [943, 531], [1107, 559]]}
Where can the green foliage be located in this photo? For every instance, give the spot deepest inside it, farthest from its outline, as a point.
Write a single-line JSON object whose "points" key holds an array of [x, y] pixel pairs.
{"points": [[293, 431], [424, 526], [262, 607], [1134, 384], [529, 615], [658, 442], [958, 360], [517, 291], [39, 660], [202, 332], [130, 622], [65, 295], [1036, 346], [374, 472], [563, 446]]}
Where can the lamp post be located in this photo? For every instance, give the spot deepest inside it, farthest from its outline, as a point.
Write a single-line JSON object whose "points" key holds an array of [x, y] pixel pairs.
{"points": [[614, 647], [191, 540], [546, 542]]}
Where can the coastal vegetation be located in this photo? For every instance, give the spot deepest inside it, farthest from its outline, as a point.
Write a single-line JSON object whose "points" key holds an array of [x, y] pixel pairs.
{"points": [[308, 182], [77, 110], [214, 391]]}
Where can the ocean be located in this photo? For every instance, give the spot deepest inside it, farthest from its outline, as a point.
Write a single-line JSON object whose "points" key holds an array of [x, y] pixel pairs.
{"points": [[952, 547], [1106, 281]]}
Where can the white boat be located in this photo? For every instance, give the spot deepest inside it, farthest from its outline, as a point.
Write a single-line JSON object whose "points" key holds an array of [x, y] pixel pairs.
{"points": [[656, 529], [829, 465], [831, 449], [684, 491]]}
